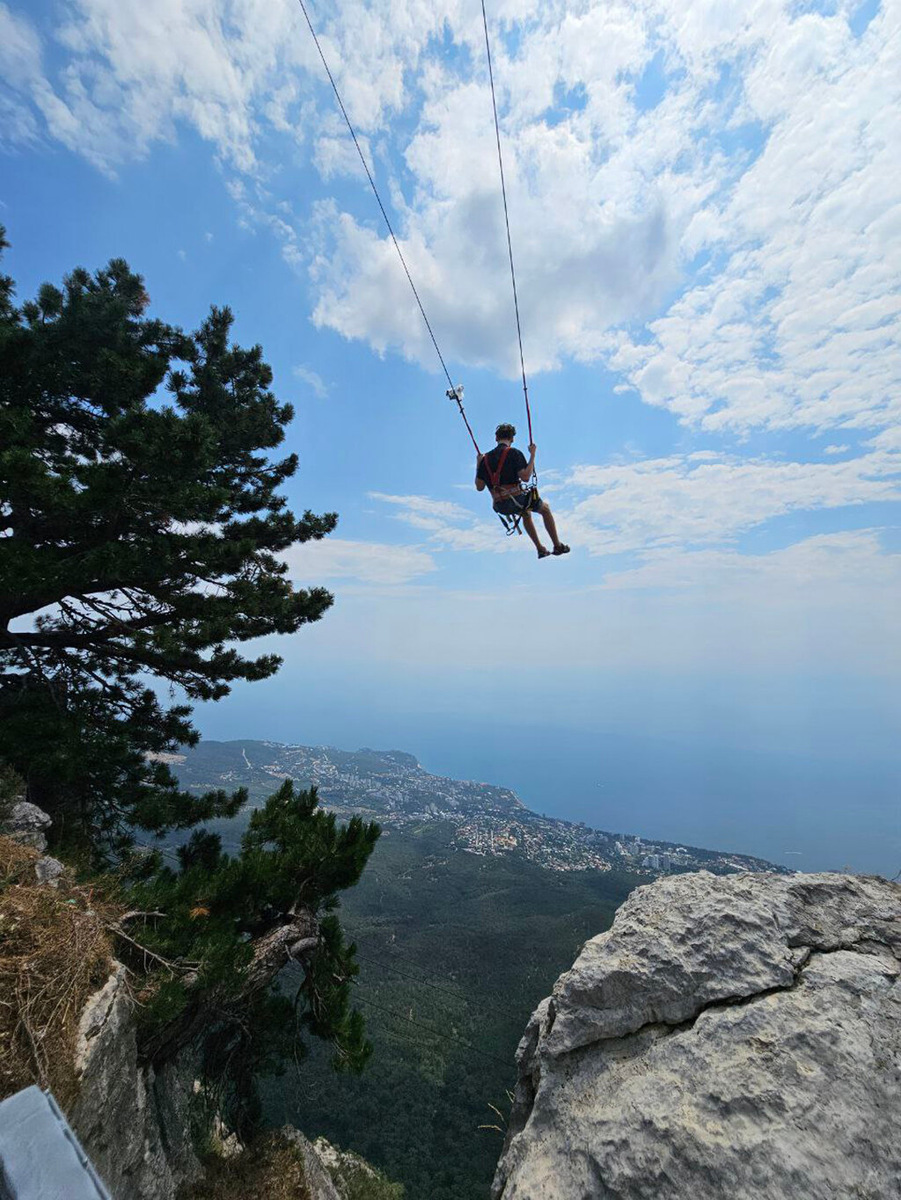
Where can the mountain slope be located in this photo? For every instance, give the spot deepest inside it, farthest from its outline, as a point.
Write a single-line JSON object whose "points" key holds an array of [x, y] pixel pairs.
{"points": [[391, 787], [454, 949], [469, 909]]}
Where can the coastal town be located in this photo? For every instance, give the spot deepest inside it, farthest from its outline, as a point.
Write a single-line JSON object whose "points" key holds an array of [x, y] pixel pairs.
{"points": [[392, 788]]}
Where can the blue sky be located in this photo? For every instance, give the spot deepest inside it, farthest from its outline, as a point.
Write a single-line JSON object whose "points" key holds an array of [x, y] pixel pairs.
{"points": [[706, 211]]}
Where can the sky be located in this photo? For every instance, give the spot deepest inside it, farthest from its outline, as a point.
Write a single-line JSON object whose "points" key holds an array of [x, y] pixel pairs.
{"points": [[705, 209]]}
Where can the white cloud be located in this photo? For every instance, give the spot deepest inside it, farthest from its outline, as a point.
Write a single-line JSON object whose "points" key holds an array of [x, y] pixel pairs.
{"points": [[17, 123], [795, 321], [448, 526], [335, 155], [845, 563], [702, 499], [21, 78], [423, 507], [231, 69], [368, 562], [729, 246], [20, 49], [312, 379], [802, 324], [827, 604]]}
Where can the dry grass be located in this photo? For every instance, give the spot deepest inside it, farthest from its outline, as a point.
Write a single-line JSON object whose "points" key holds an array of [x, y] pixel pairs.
{"points": [[269, 1168], [16, 863], [54, 953]]}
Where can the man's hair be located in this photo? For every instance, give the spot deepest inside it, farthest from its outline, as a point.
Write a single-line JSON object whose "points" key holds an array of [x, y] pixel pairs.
{"points": [[505, 433]]}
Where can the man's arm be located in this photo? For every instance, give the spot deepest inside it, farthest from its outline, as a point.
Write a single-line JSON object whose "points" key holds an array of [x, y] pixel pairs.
{"points": [[480, 482], [526, 473]]}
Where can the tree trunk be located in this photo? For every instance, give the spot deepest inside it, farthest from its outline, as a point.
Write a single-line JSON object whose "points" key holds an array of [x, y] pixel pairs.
{"points": [[294, 941]]}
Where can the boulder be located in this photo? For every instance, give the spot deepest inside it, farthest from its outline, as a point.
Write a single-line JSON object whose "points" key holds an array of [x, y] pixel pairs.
{"points": [[728, 1038], [352, 1175], [47, 871], [26, 824]]}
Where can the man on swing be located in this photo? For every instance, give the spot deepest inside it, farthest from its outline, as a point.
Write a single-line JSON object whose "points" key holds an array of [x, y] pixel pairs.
{"points": [[504, 471]]}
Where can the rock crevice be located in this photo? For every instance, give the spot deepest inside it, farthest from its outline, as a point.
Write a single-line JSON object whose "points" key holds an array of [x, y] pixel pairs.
{"points": [[728, 1037], [868, 947]]}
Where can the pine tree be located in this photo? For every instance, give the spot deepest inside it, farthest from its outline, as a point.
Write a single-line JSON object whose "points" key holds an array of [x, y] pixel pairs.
{"points": [[142, 533], [224, 927]]}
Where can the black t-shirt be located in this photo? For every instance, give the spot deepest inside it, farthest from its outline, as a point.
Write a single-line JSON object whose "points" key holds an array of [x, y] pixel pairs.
{"points": [[513, 464]]}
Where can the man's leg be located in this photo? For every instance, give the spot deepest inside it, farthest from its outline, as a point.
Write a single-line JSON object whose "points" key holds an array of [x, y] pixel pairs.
{"points": [[549, 523], [529, 526]]}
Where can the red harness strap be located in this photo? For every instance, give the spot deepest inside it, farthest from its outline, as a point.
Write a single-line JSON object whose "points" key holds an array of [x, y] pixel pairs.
{"points": [[508, 520], [494, 476]]}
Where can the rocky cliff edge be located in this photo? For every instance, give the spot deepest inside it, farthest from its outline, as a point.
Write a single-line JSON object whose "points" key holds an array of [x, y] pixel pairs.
{"points": [[728, 1038]]}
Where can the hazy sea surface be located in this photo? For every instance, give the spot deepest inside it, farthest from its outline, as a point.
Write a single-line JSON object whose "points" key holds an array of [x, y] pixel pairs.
{"points": [[808, 814], [826, 807]]}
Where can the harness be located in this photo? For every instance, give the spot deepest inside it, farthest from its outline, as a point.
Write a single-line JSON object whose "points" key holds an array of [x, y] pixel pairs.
{"points": [[509, 521], [494, 476]]}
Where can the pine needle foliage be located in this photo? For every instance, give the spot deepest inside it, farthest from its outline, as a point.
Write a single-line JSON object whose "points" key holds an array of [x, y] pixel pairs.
{"points": [[142, 538], [142, 530], [12, 787], [206, 922]]}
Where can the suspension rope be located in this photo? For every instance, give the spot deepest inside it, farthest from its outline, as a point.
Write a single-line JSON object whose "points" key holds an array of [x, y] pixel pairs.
{"points": [[375, 192], [500, 163], [454, 394]]}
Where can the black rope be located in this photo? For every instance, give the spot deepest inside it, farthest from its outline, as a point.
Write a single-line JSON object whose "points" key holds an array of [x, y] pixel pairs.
{"points": [[500, 163], [438, 1033], [436, 987], [375, 192]]}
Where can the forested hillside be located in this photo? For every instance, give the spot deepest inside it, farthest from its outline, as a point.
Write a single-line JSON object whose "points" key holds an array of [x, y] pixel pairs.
{"points": [[455, 951]]}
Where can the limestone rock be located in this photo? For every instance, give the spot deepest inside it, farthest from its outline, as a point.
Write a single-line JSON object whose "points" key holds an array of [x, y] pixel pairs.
{"points": [[26, 824], [47, 871], [136, 1124], [133, 1126], [353, 1175], [729, 1038], [318, 1180]]}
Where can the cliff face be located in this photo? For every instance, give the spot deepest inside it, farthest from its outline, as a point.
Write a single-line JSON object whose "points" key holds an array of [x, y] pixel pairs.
{"points": [[134, 1125], [137, 1125], [728, 1038]]}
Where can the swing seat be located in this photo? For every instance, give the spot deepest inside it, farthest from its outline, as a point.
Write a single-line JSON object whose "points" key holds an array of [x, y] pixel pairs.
{"points": [[511, 508], [510, 524]]}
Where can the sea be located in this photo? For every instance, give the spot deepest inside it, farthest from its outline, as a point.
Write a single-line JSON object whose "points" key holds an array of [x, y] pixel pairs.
{"points": [[831, 807]]}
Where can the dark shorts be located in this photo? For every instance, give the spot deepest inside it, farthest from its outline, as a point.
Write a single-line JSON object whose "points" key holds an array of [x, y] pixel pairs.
{"points": [[514, 506]]}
